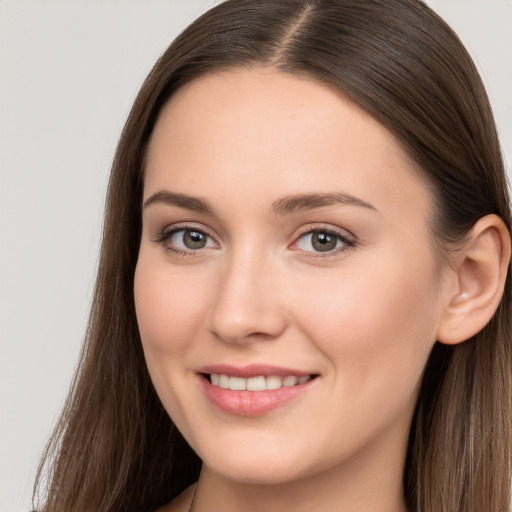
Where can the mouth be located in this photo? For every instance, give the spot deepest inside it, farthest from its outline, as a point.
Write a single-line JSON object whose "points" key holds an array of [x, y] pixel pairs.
{"points": [[254, 390], [256, 383]]}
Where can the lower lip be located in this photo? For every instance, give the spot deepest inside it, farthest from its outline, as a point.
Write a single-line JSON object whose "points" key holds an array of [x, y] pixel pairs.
{"points": [[252, 403]]}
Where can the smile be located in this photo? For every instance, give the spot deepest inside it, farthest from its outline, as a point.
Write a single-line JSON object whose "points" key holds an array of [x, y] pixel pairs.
{"points": [[256, 383], [254, 390]]}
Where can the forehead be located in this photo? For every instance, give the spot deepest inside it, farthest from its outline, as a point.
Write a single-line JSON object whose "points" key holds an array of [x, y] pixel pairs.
{"points": [[275, 133]]}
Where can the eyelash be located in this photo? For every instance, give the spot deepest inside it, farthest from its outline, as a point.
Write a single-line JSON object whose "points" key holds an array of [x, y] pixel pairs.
{"points": [[347, 242], [167, 234]]}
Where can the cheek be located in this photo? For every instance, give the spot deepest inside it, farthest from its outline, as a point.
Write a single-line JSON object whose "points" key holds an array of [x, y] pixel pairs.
{"points": [[377, 326], [168, 323], [167, 319]]}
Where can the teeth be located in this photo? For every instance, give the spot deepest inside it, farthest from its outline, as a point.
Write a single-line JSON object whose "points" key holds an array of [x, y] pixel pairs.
{"points": [[290, 381], [237, 383], [256, 384], [259, 383], [273, 382], [223, 381]]}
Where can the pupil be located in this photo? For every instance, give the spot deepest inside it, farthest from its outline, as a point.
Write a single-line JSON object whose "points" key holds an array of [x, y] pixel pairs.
{"points": [[323, 242], [194, 239]]}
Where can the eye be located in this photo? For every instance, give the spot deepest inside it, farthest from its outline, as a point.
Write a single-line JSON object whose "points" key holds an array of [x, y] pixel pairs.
{"points": [[185, 240], [190, 239], [323, 241]]}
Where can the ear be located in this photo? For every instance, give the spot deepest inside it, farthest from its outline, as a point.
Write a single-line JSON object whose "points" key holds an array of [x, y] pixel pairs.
{"points": [[476, 287]]}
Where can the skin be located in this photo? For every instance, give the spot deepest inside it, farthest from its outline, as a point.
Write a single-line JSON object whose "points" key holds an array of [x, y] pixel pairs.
{"points": [[363, 317]]}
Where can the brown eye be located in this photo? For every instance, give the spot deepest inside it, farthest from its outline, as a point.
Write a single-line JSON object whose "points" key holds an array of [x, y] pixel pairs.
{"points": [[194, 239], [186, 240], [322, 242]]}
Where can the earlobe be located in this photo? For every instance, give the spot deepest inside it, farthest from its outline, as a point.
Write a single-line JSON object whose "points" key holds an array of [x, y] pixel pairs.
{"points": [[480, 273]]}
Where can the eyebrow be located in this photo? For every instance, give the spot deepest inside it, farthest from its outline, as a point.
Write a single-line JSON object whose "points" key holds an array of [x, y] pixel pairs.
{"points": [[181, 200], [296, 203], [284, 206]]}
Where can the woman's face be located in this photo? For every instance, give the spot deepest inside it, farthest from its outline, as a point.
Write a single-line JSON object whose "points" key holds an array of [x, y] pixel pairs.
{"points": [[285, 249]]}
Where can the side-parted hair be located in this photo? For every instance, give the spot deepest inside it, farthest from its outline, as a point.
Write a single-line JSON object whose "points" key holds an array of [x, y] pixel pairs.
{"points": [[115, 448]]}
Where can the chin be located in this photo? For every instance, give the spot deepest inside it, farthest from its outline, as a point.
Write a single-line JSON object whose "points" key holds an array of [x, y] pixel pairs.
{"points": [[258, 463], [255, 474]]}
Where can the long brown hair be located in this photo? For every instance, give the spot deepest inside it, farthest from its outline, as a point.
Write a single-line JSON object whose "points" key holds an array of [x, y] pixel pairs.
{"points": [[115, 448]]}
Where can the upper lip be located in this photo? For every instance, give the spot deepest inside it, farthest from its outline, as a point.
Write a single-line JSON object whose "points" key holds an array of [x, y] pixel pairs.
{"points": [[252, 370]]}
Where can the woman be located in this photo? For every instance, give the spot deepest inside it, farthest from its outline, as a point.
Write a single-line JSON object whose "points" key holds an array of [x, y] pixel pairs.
{"points": [[302, 301]]}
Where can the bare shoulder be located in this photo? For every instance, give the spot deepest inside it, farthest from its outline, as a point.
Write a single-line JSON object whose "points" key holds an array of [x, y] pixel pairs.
{"points": [[181, 503]]}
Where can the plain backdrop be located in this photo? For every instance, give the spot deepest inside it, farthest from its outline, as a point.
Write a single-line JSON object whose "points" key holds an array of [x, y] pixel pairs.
{"points": [[69, 71]]}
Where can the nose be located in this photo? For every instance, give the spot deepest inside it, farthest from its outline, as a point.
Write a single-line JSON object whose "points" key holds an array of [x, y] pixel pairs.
{"points": [[246, 305]]}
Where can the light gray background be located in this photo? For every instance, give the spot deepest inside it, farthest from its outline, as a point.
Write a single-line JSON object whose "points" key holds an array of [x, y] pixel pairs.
{"points": [[69, 71]]}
